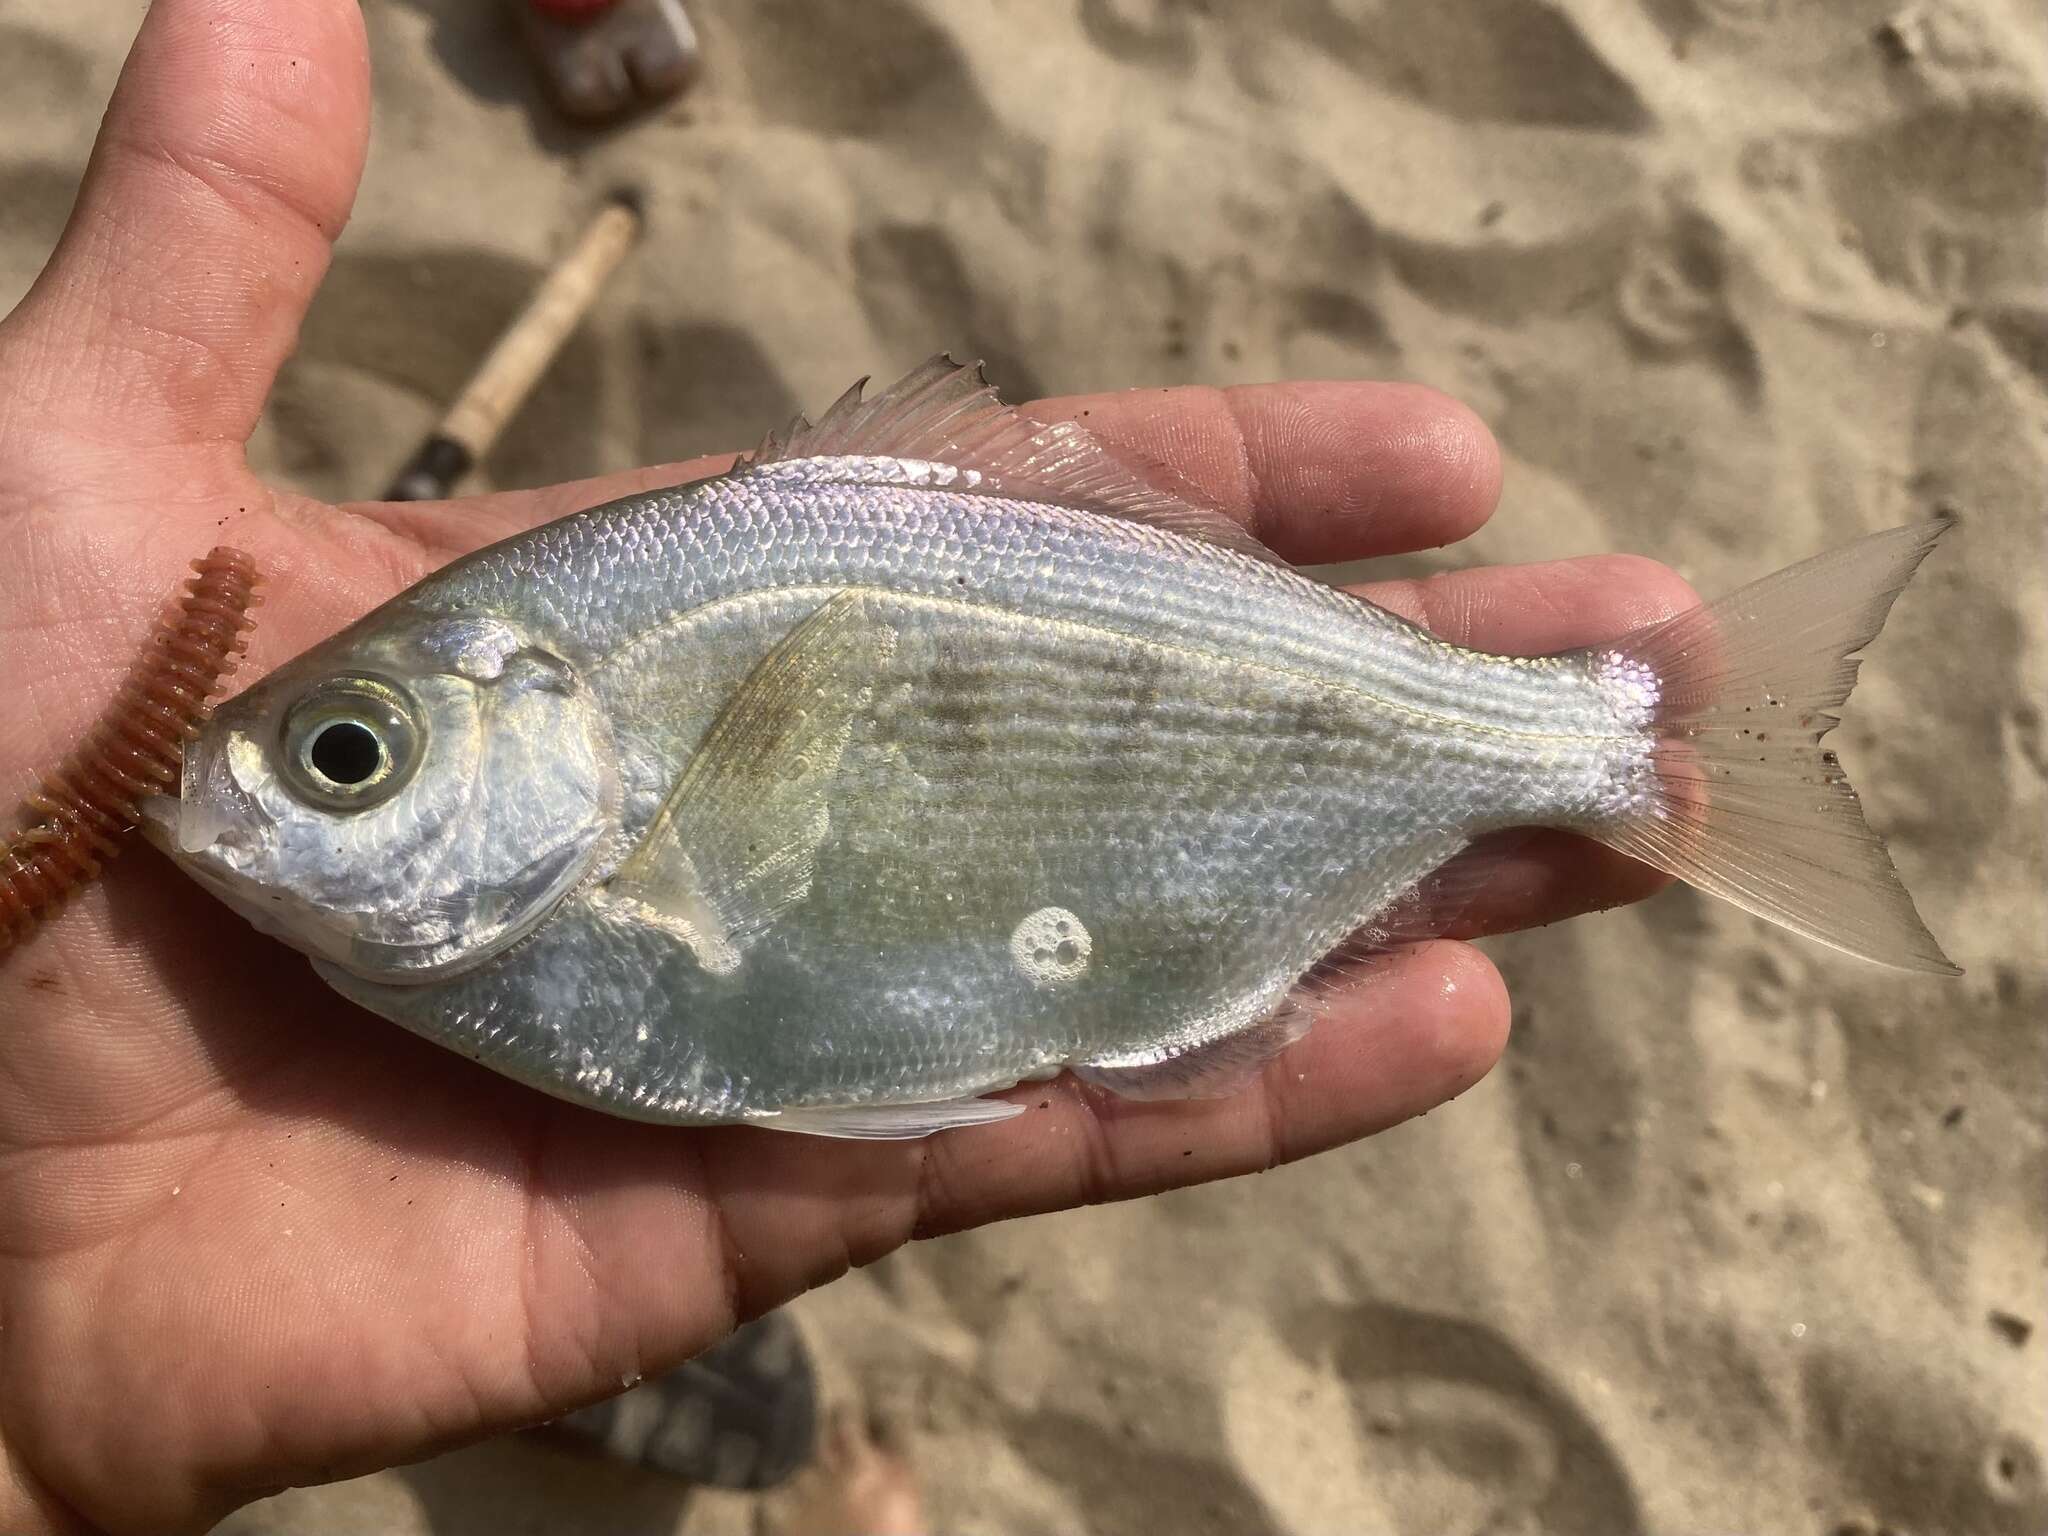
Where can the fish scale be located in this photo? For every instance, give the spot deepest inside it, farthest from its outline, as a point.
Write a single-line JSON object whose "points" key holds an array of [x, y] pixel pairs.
{"points": [[1087, 804], [935, 749]]}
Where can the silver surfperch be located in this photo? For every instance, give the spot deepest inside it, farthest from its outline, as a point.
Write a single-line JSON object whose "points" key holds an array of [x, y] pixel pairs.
{"points": [[934, 749]]}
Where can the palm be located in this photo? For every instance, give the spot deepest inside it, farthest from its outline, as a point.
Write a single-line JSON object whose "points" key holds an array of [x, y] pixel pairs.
{"points": [[308, 1242]]}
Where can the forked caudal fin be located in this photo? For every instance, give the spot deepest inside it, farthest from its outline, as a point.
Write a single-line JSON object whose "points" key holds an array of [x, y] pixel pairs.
{"points": [[1747, 806]]}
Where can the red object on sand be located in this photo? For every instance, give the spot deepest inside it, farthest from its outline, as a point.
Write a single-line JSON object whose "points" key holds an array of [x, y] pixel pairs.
{"points": [[572, 10]]}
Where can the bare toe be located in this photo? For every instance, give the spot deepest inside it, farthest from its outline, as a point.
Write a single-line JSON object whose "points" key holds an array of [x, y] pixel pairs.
{"points": [[603, 58], [662, 56], [861, 1483], [591, 83]]}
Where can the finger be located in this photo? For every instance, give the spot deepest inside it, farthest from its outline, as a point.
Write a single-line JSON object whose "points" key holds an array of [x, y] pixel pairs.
{"points": [[1321, 471], [1419, 1029], [225, 167], [793, 1213], [1544, 876], [1534, 610]]}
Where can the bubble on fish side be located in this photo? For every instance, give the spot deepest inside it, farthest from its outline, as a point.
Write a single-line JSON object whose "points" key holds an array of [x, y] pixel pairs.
{"points": [[1051, 947]]}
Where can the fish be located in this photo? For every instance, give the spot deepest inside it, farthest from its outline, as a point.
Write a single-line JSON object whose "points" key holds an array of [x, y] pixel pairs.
{"points": [[933, 749]]}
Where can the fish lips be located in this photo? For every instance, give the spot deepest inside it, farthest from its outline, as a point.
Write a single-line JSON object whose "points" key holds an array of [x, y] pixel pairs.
{"points": [[214, 830]]}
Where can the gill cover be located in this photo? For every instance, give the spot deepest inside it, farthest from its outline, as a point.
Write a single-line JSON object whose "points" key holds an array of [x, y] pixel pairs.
{"points": [[405, 801]]}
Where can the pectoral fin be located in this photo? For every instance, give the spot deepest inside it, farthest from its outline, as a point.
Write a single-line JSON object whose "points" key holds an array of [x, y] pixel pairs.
{"points": [[734, 846]]}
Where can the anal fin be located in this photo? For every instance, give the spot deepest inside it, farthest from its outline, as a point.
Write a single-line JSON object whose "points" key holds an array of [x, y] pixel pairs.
{"points": [[893, 1122], [1212, 1071], [1437, 904]]}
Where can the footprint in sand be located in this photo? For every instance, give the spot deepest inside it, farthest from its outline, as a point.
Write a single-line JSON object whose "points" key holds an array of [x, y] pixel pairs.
{"points": [[1159, 33], [36, 198], [1445, 1415], [1334, 333], [388, 343], [915, 284], [1738, 22], [1951, 50], [1909, 1446], [393, 337], [817, 67], [1511, 61], [1963, 187], [2021, 331], [1670, 298], [42, 79], [1125, 1483], [705, 388]]}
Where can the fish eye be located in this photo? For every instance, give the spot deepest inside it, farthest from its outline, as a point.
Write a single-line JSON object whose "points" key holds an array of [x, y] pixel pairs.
{"points": [[345, 752], [350, 742]]}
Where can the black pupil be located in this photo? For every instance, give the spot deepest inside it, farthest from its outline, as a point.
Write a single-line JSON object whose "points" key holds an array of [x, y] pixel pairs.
{"points": [[346, 752]]}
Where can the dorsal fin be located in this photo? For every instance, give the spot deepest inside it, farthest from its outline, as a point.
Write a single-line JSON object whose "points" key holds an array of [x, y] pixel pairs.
{"points": [[948, 414]]}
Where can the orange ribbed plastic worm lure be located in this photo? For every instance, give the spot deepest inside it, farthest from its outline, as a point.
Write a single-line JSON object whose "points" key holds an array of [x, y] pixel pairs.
{"points": [[84, 808]]}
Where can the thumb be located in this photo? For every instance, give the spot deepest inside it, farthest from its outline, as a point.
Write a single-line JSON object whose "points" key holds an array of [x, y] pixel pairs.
{"points": [[225, 167]]}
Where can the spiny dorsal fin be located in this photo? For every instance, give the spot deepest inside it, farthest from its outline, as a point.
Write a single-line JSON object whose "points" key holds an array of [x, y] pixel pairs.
{"points": [[946, 414]]}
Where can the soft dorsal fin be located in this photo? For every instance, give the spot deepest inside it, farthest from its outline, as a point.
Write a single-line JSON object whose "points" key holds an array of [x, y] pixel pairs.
{"points": [[947, 414]]}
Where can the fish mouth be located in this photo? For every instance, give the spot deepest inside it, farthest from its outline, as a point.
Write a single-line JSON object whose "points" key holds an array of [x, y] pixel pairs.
{"points": [[185, 829], [210, 815], [280, 914], [162, 816], [216, 832]]}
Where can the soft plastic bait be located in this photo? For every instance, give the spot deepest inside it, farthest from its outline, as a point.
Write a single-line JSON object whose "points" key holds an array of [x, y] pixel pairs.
{"points": [[77, 819]]}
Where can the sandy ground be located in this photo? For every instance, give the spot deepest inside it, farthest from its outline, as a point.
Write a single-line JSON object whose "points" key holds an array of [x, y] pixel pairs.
{"points": [[1740, 1237]]}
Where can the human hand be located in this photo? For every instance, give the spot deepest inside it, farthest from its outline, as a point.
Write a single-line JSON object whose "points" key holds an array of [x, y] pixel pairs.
{"points": [[250, 1236]]}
